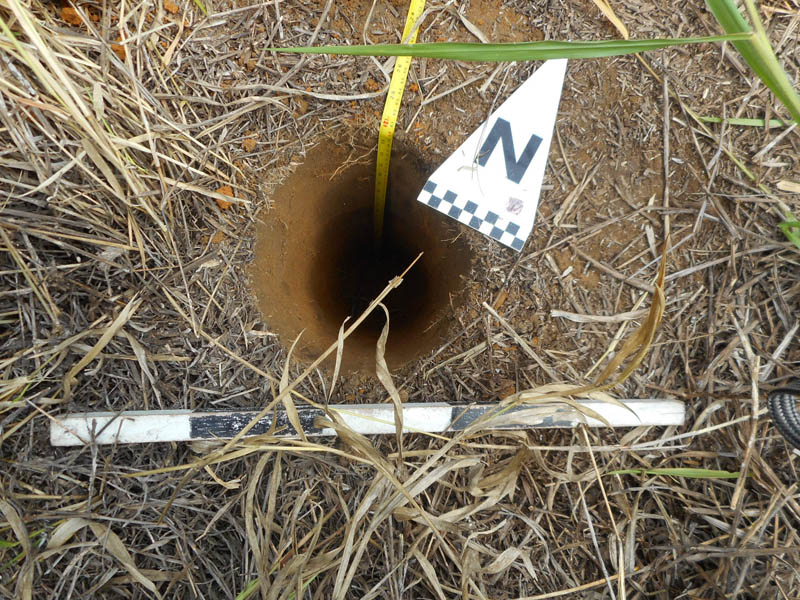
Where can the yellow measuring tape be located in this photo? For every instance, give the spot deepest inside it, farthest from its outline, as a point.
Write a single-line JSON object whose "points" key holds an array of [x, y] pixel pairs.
{"points": [[389, 118]]}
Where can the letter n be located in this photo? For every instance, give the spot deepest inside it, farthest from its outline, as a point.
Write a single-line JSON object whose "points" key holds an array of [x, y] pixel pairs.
{"points": [[515, 169]]}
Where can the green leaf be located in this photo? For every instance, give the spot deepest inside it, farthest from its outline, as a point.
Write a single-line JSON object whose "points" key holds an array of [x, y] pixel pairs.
{"points": [[789, 229], [201, 6], [679, 472], [757, 51], [248, 590], [543, 50]]}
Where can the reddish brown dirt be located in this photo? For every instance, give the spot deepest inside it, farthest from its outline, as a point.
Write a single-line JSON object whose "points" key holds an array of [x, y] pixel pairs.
{"points": [[316, 262]]}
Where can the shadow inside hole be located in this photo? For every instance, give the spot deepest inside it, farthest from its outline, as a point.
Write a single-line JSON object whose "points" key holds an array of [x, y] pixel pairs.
{"points": [[355, 272], [316, 262]]}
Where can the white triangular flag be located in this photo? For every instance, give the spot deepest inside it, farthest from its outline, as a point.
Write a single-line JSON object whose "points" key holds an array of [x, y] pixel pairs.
{"points": [[492, 182]]}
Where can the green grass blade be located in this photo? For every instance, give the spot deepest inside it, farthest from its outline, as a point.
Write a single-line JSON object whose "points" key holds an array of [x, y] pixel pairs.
{"points": [[201, 6], [679, 472], [248, 590], [757, 51], [544, 50], [789, 229]]}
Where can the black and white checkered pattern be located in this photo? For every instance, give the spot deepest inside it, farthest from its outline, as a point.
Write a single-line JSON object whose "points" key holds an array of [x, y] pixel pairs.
{"points": [[467, 212]]}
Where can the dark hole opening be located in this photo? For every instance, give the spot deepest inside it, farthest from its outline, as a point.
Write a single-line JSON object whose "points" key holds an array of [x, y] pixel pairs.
{"points": [[358, 272], [316, 261]]}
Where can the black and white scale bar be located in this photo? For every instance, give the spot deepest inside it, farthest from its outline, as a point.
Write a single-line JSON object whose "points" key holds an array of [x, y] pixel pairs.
{"points": [[132, 427]]}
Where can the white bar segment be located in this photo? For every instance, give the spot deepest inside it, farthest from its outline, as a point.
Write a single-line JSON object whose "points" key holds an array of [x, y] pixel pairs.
{"points": [[126, 427], [184, 425], [376, 419]]}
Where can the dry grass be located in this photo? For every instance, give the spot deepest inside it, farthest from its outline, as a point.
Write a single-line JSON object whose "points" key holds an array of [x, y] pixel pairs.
{"points": [[123, 287]]}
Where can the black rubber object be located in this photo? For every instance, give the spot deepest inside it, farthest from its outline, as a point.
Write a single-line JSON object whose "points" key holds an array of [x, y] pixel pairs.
{"points": [[782, 406]]}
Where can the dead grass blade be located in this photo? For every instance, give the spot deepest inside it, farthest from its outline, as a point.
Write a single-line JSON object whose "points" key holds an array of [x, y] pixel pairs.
{"points": [[117, 549], [609, 14], [638, 344], [502, 482], [518, 338], [338, 364], [24, 587], [635, 348], [618, 318], [108, 540], [620, 562], [503, 561], [556, 392], [36, 284], [141, 357], [351, 553], [100, 163], [123, 317], [269, 524], [403, 492], [382, 370], [288, 403], [251, 520], [64, 531], [430, 573]]}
